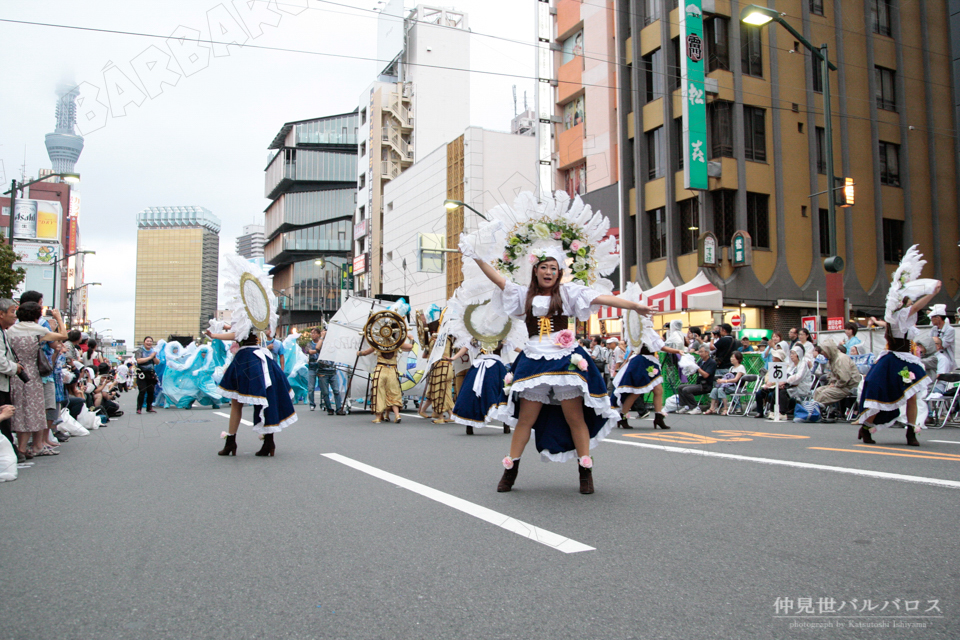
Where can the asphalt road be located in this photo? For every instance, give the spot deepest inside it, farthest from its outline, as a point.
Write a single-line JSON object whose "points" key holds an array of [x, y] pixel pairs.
{"points": [[718, 528]]}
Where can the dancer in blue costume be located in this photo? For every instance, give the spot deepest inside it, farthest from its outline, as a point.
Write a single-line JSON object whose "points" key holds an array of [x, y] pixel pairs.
{"points": [[557, 390], [898, 376], [253, 376], [482, 397]]}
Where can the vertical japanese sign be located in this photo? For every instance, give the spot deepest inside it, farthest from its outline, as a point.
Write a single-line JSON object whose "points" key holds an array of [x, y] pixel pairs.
{"points": [[694, 96]]}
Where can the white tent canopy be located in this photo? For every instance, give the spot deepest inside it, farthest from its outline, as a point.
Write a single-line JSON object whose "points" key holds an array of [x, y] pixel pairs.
{"points": [[699, 294]]}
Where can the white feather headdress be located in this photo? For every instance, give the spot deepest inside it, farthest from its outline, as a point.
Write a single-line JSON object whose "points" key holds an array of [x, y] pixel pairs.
{"points": [[233, 270], [907, 282]]}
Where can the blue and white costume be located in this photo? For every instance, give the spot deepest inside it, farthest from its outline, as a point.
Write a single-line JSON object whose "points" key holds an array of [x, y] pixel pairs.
{"points": [[482, 398]]}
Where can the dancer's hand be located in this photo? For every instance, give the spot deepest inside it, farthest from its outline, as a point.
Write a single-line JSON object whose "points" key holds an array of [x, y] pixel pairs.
{"points": [[643, 309]]}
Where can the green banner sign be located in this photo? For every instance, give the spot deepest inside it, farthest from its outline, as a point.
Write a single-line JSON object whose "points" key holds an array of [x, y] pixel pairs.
{"points": [[694, 96], [346, 277]]}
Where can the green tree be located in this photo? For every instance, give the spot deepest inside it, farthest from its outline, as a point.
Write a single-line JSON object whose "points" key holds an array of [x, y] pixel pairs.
{"points": [[10, 278]]}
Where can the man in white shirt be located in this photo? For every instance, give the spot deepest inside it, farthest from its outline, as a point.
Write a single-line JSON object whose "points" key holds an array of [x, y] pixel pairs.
{"points": [[943, 330]]}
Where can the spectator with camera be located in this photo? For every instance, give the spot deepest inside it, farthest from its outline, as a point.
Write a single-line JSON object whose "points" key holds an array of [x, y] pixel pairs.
{"points": [[8, 365]]}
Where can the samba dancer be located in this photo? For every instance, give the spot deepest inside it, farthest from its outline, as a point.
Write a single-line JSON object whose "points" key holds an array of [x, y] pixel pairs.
{"points": [[252, 377], [898, 376], [557, 389]]}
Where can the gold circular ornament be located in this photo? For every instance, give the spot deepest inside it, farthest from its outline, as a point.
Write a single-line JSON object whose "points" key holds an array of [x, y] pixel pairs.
{"points": [[256, 302], [385, 330], [633, 328], [422, 328], [487, 342]]}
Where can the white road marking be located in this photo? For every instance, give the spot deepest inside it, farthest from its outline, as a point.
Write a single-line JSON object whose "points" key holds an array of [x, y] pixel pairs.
{"points": [[944, 441], [950, 484], [227, 415], [553, 540]]}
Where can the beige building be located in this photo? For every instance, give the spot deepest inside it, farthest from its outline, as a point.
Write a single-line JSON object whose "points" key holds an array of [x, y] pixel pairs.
{"points": [[177, 263], [893, 120]]}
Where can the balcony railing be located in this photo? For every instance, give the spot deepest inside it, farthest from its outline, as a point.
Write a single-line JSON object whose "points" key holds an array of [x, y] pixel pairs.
{"points": [[393, 137], [389, 169], [394, 106]]}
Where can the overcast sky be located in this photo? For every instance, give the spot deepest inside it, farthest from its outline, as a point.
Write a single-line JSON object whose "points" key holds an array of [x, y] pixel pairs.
{"points": [[204, 141]]}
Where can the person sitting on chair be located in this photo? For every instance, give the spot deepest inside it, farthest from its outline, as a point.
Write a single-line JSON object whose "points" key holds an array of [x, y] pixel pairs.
{"points": [[843, 380]]}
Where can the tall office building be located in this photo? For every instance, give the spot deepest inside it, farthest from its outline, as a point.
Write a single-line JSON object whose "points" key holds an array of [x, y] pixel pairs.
{"points": [[312, 182], [178, 255], [420, 102], [892, 116], [250, 242]]}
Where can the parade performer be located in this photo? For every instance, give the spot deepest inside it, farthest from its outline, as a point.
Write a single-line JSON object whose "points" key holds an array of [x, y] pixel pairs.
{"points": [[482, 398], [556, 388], [898, 375], [641, 373], [441, 372], [386, 394], [253, 377]]}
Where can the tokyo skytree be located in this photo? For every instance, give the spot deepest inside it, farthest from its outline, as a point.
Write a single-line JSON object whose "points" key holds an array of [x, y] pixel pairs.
{"points": [[63, 145]]}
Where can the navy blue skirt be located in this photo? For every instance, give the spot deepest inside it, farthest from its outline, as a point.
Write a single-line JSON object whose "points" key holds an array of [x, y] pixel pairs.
{"points": [[244, 382], [477, 411], [555, 380], [889, 384], [640, 376]]}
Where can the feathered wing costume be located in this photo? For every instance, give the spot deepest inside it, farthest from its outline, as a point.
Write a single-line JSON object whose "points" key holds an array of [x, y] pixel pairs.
{"points": [[898, 375], [552, 367], [641, 373], [253, 377]]}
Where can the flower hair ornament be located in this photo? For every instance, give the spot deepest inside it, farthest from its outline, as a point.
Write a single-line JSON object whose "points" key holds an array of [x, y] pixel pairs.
{"points": [[249, 297], [517, 236]]}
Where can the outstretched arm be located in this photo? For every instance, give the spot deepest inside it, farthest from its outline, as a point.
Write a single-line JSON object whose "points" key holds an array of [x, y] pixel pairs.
{"points": [[494, 276], [925, 300], [620, 303], [366, 352]]}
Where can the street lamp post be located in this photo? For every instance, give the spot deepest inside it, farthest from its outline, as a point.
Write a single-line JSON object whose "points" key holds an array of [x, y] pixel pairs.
{"points": [[70, 293], [760, 16], [453, 204], [55, 263], [70, 178]]}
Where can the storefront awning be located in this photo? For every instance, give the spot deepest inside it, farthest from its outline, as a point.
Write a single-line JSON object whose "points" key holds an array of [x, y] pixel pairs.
{"points": [[662, 297], [699, 294]]}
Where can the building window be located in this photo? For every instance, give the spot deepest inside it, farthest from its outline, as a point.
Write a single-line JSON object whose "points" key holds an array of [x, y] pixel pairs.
{"points": [[363, 117], [572, 47], [363, 149], [678, 141], [724, 215], [576, 180], [758, 219], [892, 240], [651, 12], [816, 7], [880, 13], [675, 65], [718, 44], [751, 54], [573, 113], [689, 224], [652, 71], [817, 74], [824, 232], [658, 233], [362, 182], [755, 134], [885, 88], [821, 151], [720, 119], [890, 164], [655, 153]]}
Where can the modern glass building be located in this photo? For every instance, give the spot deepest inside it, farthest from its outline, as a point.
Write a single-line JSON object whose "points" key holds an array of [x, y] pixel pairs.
{"points": [[178, 251], [311, 181]]}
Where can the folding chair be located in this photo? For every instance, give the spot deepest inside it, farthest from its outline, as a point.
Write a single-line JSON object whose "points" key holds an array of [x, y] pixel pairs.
{"points": [[746, 388], [947, 400]]}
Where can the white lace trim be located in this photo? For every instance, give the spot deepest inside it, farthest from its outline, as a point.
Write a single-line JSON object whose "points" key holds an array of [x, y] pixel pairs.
{"points": [[872, 407], [239, 397], [903, 355], [600, 405], [277, 427], [492, 414], [619, 391], [535, 349]]}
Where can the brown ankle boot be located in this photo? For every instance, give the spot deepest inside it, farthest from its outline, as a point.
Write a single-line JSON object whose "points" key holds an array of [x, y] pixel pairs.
{"points": [[912, 436], [659, 422], [229, 447], [268, 446], [509, 477], [586, 479], [865, 436], [469, 430]]}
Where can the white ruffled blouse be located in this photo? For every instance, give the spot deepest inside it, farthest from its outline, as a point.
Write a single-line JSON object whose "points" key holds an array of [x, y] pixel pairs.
{"points": [[577, 302]]}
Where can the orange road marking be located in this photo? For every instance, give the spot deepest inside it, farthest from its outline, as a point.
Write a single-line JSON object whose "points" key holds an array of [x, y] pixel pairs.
{"points": [[950, 456], [761, 434], [881, 453]]}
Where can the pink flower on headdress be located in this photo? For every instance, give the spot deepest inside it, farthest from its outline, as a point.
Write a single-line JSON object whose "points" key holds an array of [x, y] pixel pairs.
{"points": [[506, 257], [565, 339], [575, 245], [534, 259], [557, 235]]}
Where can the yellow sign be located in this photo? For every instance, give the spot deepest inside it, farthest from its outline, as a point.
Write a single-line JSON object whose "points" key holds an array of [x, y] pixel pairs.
{"points": [[48, 221]]}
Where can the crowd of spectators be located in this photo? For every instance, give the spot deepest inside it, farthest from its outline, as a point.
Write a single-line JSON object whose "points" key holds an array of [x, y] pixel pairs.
{"points": [[46, 369]]}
